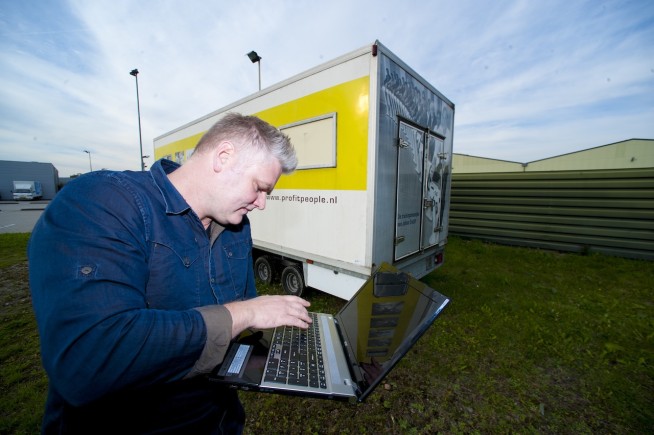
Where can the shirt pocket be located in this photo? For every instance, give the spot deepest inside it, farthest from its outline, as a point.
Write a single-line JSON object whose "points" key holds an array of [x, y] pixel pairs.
{"points": [[237, 255], [175, 271]]}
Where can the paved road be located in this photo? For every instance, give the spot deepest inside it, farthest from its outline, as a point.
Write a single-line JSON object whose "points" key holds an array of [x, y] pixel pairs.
{"points": [[20, 217]]}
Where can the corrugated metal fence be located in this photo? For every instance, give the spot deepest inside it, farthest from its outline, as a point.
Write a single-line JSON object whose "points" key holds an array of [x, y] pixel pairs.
{"points": [[607, 211]]}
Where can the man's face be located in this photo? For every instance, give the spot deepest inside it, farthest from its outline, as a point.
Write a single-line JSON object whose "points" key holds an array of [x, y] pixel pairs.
{"points": [[247, 179]]}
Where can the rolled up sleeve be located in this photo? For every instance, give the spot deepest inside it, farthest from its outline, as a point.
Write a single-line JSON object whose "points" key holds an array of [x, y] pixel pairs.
{"points": [[218, 322]]}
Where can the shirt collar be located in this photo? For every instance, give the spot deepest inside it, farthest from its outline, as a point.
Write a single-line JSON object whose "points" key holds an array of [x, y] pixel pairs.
{"points": [[175, 203]]}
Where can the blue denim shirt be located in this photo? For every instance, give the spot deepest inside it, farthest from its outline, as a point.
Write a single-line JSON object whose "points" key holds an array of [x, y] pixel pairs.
{"points": [[118, 262]]}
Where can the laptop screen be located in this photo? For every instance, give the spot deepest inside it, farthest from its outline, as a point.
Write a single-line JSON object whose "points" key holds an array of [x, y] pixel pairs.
{"points": [[383, 320]]}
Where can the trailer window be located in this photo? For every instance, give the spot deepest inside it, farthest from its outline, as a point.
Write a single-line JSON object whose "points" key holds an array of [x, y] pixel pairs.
{"points": [[314, 141]]}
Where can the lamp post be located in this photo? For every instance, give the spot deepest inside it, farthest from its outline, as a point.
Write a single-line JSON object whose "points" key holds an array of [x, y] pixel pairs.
{"points": [[255, 58], [90, 165], [135, 73]]}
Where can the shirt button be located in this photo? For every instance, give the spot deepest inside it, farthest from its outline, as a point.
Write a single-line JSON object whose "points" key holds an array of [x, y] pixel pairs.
{"points": [[212, 280]]}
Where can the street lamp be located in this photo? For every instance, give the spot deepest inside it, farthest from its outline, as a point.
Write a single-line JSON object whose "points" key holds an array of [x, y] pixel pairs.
{"points": [[135, 73], [90, 165], [255, 58]]}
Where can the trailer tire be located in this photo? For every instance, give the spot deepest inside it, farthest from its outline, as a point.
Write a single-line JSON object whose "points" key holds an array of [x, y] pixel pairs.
{"points": [[292, 280], [263, 269]]}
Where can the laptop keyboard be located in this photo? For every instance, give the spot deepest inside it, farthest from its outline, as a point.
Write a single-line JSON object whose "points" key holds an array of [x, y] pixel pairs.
{"points": [[296, 357]]}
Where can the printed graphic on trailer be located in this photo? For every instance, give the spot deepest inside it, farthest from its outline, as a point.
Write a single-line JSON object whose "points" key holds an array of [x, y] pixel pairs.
{"points": [[327, 223]]}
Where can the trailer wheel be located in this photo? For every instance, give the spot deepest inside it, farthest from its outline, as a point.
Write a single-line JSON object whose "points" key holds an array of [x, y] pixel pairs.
{"points": [[263, 269], [292, 280]]}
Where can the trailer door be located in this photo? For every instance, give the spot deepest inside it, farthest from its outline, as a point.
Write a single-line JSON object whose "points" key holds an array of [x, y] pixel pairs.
{"points": [[408, 217], [420, 165], [432, 193]]}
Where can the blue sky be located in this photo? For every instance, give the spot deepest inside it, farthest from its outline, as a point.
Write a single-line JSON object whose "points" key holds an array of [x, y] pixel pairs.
{"points": [[530, 79]]}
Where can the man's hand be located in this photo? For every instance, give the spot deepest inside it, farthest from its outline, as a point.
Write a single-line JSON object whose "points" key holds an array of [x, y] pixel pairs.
{"points": [[265, 312]]}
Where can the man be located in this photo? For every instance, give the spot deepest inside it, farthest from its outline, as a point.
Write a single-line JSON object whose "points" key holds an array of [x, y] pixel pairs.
{"points": [[141, 279]]}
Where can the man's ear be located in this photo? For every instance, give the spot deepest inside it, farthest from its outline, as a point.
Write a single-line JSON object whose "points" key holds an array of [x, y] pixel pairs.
{"points": [[222, 154]]}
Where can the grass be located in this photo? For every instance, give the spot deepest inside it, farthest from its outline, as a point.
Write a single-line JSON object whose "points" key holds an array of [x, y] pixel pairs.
{"points": [[13, 248], [533, 342], [23, 385]]}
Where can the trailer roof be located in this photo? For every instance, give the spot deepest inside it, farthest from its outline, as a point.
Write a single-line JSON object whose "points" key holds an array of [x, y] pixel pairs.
{"points": [[375, 48]]}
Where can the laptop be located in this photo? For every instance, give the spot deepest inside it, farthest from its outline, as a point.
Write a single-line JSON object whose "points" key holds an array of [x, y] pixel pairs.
{"points": [[343, 356]]}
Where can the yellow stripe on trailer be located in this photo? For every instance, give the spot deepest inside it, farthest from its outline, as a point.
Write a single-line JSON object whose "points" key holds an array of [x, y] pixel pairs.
{"points": [[351, 135], [350, 100], [183, 145]]}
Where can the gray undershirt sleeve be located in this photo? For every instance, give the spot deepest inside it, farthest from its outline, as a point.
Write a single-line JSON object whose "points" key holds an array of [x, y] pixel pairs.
{"points": [[218, 321]]}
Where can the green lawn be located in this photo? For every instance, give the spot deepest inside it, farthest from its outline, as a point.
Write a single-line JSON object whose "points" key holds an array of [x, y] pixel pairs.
{"points": [[533, 341]]}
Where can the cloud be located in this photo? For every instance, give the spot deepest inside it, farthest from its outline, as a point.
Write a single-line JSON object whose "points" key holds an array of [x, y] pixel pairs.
{"points": [[529, 80]]}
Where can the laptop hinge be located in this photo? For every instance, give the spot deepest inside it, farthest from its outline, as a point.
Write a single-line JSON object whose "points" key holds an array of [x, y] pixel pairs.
{"points": [[355, 371]]}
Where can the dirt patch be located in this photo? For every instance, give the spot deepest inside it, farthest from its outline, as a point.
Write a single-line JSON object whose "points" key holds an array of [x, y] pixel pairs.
{"points": [[14, 287]]}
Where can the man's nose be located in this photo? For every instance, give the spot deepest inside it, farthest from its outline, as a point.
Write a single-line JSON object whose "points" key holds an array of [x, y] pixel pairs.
{"points": [[260, 202]]}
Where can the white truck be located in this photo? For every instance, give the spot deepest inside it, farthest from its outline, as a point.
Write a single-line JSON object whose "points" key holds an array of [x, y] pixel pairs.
{"points": [[374, 145], [27, 190]]}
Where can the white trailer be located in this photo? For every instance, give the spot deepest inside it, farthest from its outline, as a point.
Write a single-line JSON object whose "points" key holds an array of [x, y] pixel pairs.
{"points": [[374, 145]]}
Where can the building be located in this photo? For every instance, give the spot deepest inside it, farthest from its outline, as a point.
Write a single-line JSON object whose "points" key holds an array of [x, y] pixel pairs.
{"points": [[628, 154], [11, 171], [596, 200]]}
